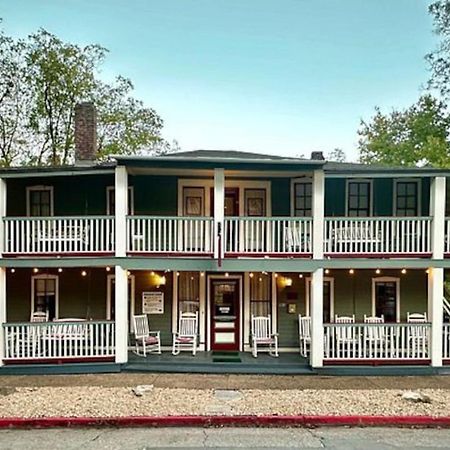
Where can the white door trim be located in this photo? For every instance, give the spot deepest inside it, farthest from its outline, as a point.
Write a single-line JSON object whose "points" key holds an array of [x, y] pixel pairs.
{"points": [[208, 307], [396, 280]]}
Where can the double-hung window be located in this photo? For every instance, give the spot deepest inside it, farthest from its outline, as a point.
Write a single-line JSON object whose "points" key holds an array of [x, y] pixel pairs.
{"points": [[359, 201], [40, 201], [407, 198], [303, 199]]}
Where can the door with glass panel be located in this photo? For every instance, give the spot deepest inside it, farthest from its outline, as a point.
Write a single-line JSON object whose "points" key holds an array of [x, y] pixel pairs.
{"points": [[224, 313]]}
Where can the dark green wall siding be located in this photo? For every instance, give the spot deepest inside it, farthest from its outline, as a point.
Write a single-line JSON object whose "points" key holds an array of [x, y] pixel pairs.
{"points": [[334, 197], [280, 196]]}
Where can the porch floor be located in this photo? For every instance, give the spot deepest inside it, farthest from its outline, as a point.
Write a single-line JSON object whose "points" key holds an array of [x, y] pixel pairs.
{"points": [[202, 362]]}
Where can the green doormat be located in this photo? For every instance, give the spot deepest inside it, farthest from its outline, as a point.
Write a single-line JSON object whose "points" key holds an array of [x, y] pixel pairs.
{"points": [[232, 357]]}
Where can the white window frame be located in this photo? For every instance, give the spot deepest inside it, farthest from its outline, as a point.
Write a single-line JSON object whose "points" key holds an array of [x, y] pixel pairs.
{"points": [[109, 288], [108, 206], [347, 191], [46, 277], [229, 183], [294, 181], [395, 280], [418, 181], [308, 294], [39, 188]]}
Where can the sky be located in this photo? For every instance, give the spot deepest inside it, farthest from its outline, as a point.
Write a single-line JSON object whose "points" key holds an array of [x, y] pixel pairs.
{"points": [[283, 77]]}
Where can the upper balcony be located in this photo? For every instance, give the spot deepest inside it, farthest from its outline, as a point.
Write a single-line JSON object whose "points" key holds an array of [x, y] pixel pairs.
{"points": [[178, 209]]}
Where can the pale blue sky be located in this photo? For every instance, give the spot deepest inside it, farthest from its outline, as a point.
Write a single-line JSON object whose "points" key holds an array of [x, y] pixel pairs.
{"points": [[275, 76]]}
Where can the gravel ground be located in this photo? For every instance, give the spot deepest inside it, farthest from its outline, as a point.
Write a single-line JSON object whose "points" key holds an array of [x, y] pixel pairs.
{"points": [[120, 401]]}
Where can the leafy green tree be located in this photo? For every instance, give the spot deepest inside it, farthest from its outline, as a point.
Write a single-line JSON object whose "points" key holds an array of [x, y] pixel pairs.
{"points": [[42, 78], [439, 59], [336, 155], [418, 135]]}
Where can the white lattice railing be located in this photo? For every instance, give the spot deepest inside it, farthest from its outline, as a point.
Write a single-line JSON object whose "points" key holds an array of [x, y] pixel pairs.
{"points": [[59, 340], [157, 234], [61, 235], [378, 235], [377, 341], [446, 341], [268, 235]]}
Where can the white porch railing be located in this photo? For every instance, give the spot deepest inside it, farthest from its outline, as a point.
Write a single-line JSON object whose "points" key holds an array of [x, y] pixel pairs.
{"points": [[263, 235], [59, 340], [158, 234], [446, 341], [447, 235], [378, 235], [62, 235], [377, 341]]}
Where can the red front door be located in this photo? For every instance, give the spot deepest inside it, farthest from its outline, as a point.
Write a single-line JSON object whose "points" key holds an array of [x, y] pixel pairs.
{"points": [[225, 333]]}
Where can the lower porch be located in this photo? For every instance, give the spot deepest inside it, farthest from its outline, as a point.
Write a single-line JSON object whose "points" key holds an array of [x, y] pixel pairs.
{"points": [[88, 321]]}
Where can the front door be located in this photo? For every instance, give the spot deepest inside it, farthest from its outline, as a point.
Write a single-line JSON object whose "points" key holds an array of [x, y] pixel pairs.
{"points": [[225, 333], [386, 300]]}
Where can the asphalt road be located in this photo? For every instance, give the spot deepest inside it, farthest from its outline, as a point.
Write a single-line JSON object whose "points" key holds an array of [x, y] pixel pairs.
{"points": [[229, 438]]}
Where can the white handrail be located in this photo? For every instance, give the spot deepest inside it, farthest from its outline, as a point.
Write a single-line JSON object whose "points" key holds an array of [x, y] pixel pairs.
{"points": [[59, 340], [156, 234], [268, 235], [59, 235], [377, 341], [378, 235]]}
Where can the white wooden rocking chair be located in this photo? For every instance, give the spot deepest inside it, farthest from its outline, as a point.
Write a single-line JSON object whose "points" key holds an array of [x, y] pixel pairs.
{"points": [[148, 340], [186, 336], [304, 334], [261, 331]]}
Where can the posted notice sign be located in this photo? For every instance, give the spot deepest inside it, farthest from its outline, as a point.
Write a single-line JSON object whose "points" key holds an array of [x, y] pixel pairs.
{"points": [[153, 302]]}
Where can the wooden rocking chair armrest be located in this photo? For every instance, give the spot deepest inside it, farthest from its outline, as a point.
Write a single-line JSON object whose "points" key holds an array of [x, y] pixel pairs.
{"points": [[274, 335]]}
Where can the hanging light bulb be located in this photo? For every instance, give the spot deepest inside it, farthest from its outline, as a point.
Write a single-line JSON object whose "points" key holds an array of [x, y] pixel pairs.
{"points": [[108, 269], [327, 271], [351, 271], [83, 273], [60, 270], [403, 271], [35, 270], [378, 271], [13, 270]]}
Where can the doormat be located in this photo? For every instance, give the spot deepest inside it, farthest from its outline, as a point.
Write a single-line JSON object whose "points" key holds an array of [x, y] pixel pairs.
{"points": [[232, 357]]}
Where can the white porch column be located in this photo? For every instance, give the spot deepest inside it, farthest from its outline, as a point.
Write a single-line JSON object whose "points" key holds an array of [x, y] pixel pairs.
{"points": [[316, 359], [437, 212], [219, 211], [121, 205], [2, 270], [121, 314], [318, 212], [435, 306]]}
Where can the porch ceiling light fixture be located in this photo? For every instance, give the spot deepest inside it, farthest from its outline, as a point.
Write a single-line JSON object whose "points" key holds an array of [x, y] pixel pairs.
{"points": [[202, 274], [227, 274], [251, 275], [60, 270], [35, 270], [152, 273], [300, 275], [351, 271], [83, 273], [13, 270], [378, 271], [287, 282], [327, 271], [403, 271], [108, 269]]}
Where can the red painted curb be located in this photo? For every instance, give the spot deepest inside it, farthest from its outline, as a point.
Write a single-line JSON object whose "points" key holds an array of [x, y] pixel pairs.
{"points": [[225, 421]]}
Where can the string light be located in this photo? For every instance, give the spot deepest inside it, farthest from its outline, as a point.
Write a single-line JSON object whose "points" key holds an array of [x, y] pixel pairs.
{"points": [[83, 273], [327, 271], [351, 271], [202, 274], [403, 271], [60, 270], [378, 271], [300, 275], [276, 275], [108, 269], [227, 274], [152, 273], [251, 275], [35, 270], [13, 270], [178, 274], [427, 271]]}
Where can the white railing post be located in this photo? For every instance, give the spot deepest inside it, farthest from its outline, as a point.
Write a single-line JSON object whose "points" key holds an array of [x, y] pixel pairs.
{"points": [[219, 212], [437, 212], [317, 332], [2, 215], [318, 212], [121, 205], [2, 312], [435, 306], [121, 314]]}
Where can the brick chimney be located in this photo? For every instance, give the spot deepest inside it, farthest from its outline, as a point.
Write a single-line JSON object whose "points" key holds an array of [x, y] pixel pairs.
{"points": [[318, 156], [85, 133]]}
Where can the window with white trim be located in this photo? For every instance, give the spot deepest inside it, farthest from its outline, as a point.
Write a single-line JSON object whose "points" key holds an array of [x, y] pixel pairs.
{"points": [[111, 201], [40, 201], [303, 199], [358, 198], [260, 294], [407, 198], [188, 292], [45, 295]]}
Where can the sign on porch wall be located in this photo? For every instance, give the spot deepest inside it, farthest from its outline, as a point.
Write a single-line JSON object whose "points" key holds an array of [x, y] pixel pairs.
{"points": [[153, 302]]}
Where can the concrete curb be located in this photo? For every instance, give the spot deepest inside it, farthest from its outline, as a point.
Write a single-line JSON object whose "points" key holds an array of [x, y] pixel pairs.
{"points": [[225, 421]]}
